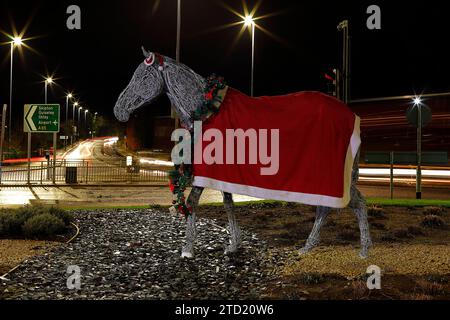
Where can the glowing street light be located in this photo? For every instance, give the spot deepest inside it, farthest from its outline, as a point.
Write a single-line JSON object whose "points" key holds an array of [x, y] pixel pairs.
{"points": [[250, 22], [48, 81], [16, 42], [68, 96], [85, 117], [418, 104]]}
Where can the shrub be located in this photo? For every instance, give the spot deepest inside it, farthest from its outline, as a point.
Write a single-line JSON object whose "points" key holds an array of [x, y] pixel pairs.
{"points": [[434, 211], [10, 223], [13, 221], [311, 278], [65, 216], [433, 222], [42, 226], [376, 212]]}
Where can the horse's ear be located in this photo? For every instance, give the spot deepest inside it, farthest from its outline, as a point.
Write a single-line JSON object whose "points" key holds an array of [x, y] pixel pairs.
{"points": [[145, 52]]}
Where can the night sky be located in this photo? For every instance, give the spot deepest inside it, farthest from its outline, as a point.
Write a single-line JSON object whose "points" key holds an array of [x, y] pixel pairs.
{"points": [[409, 55]]}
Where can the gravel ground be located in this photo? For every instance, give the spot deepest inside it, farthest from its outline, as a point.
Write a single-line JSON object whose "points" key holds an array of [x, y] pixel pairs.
{"points": [[13, 252], [135, 254]]}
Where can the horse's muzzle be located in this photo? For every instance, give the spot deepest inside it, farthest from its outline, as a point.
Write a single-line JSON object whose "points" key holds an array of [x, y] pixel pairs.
{"points": [[121, 114]]}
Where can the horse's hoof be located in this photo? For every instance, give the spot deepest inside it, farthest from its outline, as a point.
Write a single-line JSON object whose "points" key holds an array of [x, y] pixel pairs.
{"points": [[364, 254], [230, 249], [303, 251], [187, 255]]}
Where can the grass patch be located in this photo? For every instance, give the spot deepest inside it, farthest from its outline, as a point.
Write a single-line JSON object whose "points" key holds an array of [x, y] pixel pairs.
{"points": [[409, 202]]}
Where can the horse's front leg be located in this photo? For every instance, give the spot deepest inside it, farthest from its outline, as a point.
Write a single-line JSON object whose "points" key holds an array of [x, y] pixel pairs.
{"points": [[314, 236], [191, 230], [235, 231]]}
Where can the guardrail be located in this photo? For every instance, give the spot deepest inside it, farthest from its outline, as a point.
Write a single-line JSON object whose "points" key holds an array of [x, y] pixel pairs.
{"points": [[80, 172]]}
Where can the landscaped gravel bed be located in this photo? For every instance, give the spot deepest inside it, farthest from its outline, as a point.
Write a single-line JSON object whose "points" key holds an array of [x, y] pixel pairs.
{"points": [[135, 254]]}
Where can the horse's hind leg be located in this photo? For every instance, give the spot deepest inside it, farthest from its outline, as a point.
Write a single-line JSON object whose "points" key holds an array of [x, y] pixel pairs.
{"points": [[314, 236], [358, 205], [235, 231], [191, 230]]}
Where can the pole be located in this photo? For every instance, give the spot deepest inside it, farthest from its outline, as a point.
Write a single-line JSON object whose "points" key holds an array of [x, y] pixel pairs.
{"points": [[419, 153], [2, 139], [253, 59], [29, 158], [178, 30], [45, 91], [67, 122], [344, 28], [391, 185], [177, 56], [10, 93], [73, 124], [54, 156]]}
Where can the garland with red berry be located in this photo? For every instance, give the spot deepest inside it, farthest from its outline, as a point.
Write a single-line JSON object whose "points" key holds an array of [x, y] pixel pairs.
{"points": [[181, 176]]}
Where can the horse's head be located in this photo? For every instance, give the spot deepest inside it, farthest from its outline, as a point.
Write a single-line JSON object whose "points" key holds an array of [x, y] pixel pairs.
{"points": [[145, 86]]}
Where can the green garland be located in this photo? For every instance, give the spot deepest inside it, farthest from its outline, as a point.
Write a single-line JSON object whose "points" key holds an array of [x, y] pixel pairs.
{"points": [[211, 99], [181, 176]]}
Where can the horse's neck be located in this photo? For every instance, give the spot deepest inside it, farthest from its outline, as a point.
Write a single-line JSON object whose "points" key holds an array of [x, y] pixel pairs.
{"points": [[185, 89]]}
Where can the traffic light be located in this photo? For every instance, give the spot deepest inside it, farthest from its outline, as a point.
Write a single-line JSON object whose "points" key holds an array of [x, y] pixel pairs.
{"points": [[333, 83]]}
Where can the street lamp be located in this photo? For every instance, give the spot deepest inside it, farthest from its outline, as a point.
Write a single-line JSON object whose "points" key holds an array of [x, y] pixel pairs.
{"points": [[48, 81], [85, 118], [250, 22], [78, 119], [74, 105], [68, 96], [418, 104], [16, 42]]}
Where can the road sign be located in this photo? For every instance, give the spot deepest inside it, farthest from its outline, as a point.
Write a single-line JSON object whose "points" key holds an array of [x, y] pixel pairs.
{"points": [[63, 137], [412, 115], [41, 118], [129, 161]]}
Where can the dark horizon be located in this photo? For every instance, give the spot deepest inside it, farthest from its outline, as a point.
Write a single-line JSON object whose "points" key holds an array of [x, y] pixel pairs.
{"points": [[407, 56]]}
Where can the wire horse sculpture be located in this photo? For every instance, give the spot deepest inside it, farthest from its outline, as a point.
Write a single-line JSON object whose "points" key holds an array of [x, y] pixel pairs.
{"points": [[160, 74]]}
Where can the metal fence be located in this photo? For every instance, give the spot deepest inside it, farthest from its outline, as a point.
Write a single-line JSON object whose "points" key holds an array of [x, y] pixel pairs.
{"points": [[79, 172]]}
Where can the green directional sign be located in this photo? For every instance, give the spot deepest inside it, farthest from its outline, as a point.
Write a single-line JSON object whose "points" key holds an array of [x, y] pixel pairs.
{"points": [[40, 118]]}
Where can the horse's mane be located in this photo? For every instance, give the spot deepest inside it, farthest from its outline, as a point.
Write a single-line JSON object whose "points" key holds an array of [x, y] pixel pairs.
{"points": [[184, 88]]}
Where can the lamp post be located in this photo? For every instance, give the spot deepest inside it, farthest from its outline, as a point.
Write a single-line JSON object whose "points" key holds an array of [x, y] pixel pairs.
{"points": [[418, 103], [47, 82], [344, 28], [69, 96], [85, 119], [93, 124], [17, 41], [78, 121], [74, 105], [250, 22]]}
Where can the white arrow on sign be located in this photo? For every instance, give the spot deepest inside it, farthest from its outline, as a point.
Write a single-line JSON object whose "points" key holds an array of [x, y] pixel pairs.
{"points": [[29, 118]]}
